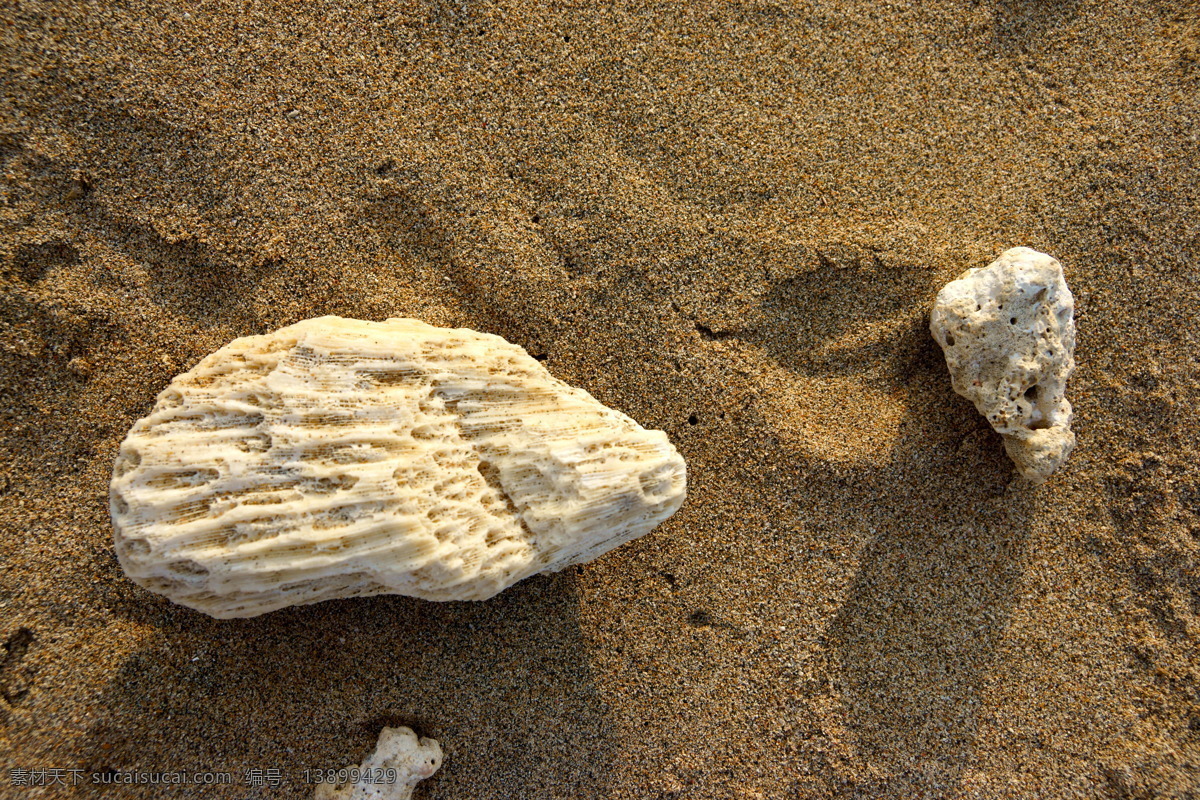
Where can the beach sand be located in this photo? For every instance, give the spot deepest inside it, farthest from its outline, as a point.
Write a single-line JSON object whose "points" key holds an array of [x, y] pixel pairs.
{"points": [[727, 220]]}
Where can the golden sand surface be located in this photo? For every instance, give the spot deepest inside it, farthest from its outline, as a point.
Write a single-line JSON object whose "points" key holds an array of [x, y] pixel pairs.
{"points": [[726, 219]]}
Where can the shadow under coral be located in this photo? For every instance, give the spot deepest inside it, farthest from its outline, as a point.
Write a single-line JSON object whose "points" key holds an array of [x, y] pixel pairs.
{"points": [[309, 688]]}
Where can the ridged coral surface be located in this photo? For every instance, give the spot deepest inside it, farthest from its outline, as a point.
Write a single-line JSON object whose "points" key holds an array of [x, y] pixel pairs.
{"points": [[340, 458]]}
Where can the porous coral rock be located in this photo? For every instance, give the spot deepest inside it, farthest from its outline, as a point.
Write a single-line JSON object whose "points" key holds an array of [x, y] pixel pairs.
{"points": [[399, 762], [341, 458], [1008, 333]]}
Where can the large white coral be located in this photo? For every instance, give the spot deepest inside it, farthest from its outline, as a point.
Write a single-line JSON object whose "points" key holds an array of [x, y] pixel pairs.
{"points": [[339, 458], [1008, 333]]}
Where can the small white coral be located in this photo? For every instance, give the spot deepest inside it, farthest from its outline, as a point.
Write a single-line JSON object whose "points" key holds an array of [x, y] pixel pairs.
{"points": [[342, 458], [1008, 333], [399, 762]]}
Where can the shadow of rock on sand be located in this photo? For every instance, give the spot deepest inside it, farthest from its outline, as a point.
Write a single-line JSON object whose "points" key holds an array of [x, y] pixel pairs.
{"points": [[938, 541], [857, 297], [1016, 22], [501, 684], [188, 275], [914, 642], [163, 222], [902, 670]]}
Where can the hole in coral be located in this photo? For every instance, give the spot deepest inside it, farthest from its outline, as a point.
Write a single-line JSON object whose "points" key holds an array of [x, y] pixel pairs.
{"points": [[1032, 392], [126, 461], [182, 478], [652, 486], [137, 548], [1012, 320], [949, 340], [394, 377], [186, 568], [491, 476], [329, 485], [258, 443]]}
